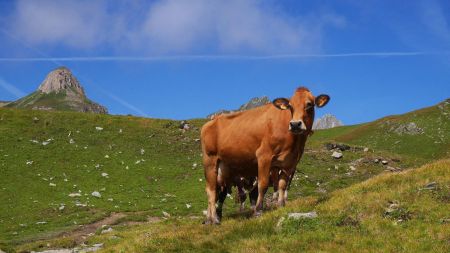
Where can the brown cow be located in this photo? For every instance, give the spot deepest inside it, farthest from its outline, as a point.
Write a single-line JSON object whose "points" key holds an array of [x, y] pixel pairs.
{"points": [[252, 143]]}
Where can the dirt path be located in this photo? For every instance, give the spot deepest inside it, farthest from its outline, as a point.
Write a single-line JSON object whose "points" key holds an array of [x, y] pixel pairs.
{"points": [[80, 234]]}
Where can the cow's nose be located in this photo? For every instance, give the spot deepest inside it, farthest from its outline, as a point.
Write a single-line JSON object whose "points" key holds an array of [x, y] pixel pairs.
{"points": [[295, 124]]}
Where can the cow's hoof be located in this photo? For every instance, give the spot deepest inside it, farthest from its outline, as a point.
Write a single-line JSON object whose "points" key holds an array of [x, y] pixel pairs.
{"points": [[211, 222], [258, 213]]}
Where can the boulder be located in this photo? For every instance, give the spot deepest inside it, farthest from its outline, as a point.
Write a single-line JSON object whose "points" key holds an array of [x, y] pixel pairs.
{"points": [[337, 155]]}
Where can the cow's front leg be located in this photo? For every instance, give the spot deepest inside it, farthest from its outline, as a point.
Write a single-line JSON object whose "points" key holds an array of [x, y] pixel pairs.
{"points": [[282, 191], [263, 182]]}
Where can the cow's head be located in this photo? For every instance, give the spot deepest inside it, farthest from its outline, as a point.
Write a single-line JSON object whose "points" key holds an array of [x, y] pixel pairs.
{"points": [[301, 105]]}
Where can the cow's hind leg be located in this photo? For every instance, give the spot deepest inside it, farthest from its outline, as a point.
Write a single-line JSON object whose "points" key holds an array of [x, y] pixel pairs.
{"points": [[220, 200], [210, 164]]}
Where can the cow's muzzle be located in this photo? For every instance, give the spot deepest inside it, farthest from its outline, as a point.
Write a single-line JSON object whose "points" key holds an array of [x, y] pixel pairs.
{"points": [[297, 127]]}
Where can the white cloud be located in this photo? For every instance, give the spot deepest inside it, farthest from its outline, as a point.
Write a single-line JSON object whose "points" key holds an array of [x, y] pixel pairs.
{"points": [[77, 24], [171, 26]]}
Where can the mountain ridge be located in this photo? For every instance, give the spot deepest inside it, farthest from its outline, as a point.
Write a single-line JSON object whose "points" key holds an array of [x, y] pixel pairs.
{"points": [[60, 90]]}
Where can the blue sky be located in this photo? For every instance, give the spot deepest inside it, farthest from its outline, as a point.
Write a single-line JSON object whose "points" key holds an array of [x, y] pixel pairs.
{"points": [[186, 59]]}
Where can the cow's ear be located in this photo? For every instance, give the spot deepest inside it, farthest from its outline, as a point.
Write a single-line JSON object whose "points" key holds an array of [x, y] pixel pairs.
{"points": [[281, 103], [322, 100]]}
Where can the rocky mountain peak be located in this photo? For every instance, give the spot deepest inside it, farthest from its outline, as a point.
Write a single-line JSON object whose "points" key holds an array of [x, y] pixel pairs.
{"points": [[61, 79], [254, 102], [327, 121]]}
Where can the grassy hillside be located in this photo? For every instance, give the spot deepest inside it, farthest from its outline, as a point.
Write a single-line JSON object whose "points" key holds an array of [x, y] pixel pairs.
{"points": [[144, 167], [388, 213], [52, 101], [421, 135]]}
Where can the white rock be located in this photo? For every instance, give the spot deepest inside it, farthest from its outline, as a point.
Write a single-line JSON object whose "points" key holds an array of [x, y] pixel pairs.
{"points": [[205, 212], [99, 128], [194, 165], [61, 208], [352, 168], [108, 230], [200, 179], [166, 214], [142, 151], [384, 162], [52, 184], [106, 156], [41, 222], [104, 174], [29, 162], [297, 216], [96, 194], [45, 143], [76, 194], [337, 155], [366, 149], [71, 141], [188, 206]]}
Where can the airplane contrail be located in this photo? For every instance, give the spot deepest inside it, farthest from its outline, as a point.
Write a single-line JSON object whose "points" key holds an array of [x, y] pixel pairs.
{"points": [[215, 57], [11, 88]]}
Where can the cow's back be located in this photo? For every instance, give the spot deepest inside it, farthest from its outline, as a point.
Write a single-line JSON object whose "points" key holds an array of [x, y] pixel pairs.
{"points": [[235, 138]]}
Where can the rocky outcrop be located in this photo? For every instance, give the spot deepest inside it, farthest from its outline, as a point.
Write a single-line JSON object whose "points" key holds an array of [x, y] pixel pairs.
{"points": [[253, 103], [61, 80], [60, 90], [327, 121]]}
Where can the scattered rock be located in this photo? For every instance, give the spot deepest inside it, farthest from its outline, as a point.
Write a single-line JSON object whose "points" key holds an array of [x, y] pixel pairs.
{"points": [[188, 206], [104, 174], [35, 119], [52, 184], [430, 186], [184, 125], [41, 222], [108, 230], [352, 168], [392, 169], [166, 214], [366, 149], [337, 155], [410, 128], [76, 194], [384, 162], [297, 216], [99, 128], [341, 147], [376, 160], [96, 194]]}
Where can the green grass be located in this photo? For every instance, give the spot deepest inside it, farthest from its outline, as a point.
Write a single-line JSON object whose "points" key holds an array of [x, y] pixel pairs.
{"points": [[351, 220], [163, 177], [433, 143]]}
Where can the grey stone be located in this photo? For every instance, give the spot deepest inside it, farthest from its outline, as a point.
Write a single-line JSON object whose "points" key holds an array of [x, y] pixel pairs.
{"points": [[297, 216], [337, 155]]}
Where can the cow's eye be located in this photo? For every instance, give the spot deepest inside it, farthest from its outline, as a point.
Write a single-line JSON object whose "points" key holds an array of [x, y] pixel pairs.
{"points": [[309, 106]]}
